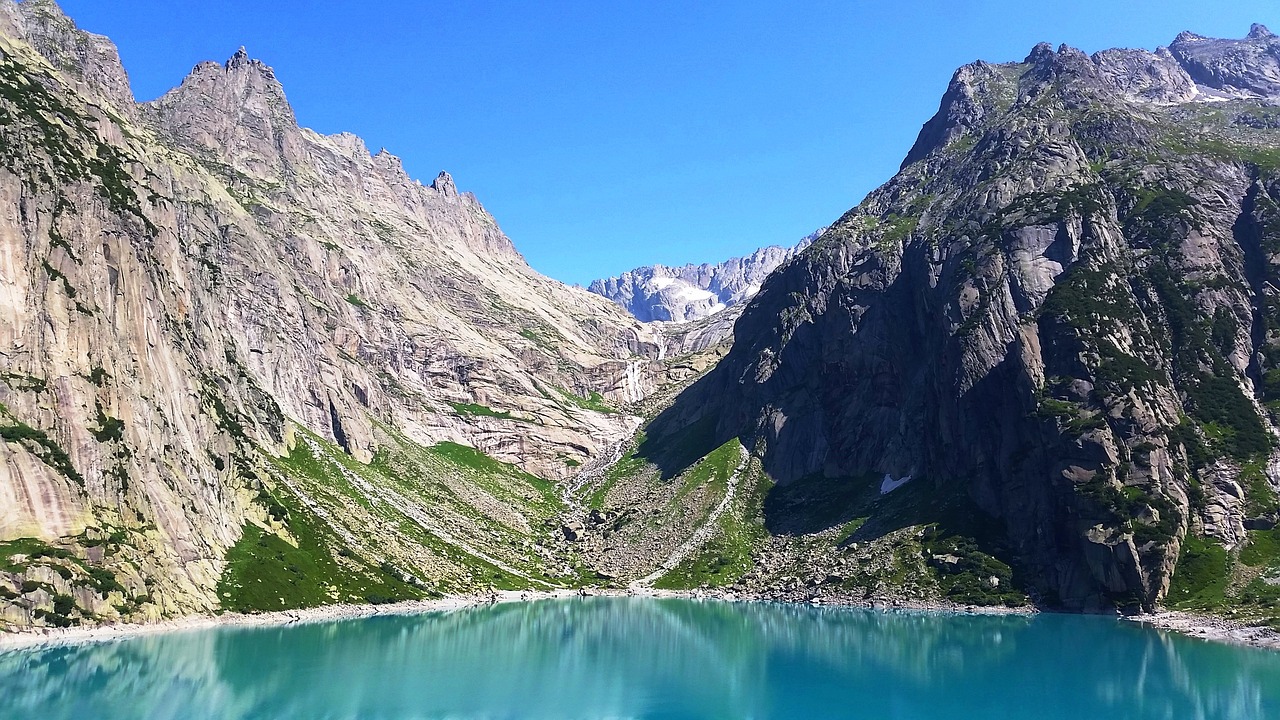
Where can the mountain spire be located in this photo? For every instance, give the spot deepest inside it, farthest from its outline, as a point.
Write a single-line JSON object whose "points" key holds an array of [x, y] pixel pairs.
{"points": [[1258, 31]]}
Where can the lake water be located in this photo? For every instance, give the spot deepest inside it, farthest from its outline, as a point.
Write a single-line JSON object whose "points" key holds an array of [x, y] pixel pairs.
{"points": [[650, 658]]}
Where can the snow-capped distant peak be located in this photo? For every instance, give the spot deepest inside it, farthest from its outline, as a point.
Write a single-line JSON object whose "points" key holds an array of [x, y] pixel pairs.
{"points": [[692, 292]]}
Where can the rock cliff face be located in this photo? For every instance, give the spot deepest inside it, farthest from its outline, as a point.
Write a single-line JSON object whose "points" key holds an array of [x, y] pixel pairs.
{"points": [[692, 292], [1060, 315], [225, 338]]}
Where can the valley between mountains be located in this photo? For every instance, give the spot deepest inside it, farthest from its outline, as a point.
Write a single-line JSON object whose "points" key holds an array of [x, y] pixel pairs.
{"points": [[249, 367]]}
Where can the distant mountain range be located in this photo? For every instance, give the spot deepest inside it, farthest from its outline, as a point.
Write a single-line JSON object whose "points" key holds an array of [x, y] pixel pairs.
{"points": [[692, 292]]}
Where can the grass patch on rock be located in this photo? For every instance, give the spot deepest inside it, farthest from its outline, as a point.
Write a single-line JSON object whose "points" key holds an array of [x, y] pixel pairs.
{"points": [[38, 443], [436, 511], [266, 572], [594, 402], [728, 555], [1262, 550], [1201, 576], [477, 410], [473, 459], [30, 548]]}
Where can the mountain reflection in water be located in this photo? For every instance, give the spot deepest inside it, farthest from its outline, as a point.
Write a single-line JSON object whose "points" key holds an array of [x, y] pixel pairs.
{"points": [[647, 658]]}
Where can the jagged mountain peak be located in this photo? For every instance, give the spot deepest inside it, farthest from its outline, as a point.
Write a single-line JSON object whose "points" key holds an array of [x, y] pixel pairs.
{"points": [[443, 184], [384, 159], [241, 57], [235, 116], [1040, 52], [1234, 68], [350, 143], [90, 61], [235, 113], [242, 61], [1257, 31], [230, 85], [1193, 68]]}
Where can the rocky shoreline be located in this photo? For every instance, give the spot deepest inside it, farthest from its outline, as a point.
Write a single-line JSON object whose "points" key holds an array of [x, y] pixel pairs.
{"points": [[1214, 629]]}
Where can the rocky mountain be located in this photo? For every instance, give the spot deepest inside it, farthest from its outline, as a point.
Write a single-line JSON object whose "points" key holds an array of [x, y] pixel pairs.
{"points": [[692, 292], [245, 366], [1043, 358], [248, 365]]}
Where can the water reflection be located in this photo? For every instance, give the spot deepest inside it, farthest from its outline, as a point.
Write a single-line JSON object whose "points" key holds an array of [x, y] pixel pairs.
{"points": [[642, 658]]}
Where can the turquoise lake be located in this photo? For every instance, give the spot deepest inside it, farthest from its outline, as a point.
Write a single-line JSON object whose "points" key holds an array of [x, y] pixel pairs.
{"points": [[649, 658]]}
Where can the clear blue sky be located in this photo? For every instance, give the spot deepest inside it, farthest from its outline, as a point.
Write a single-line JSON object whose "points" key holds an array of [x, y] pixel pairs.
{"points": [[606, 135]]}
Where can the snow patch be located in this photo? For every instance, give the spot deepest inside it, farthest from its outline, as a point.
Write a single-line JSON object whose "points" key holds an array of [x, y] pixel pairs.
{"points": [[680, 290], [695, 294], [888, 485]]}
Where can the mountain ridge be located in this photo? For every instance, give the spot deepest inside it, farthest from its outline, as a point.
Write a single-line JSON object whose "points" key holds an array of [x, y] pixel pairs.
{"points": [[696, 290]]}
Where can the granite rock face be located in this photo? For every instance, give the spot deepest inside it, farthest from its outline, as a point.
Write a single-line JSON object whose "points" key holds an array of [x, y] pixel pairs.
{"points": [[1061, 315]]}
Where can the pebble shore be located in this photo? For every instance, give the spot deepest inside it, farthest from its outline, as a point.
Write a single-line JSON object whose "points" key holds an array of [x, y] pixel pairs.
{"points": [[1207, 627]]}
